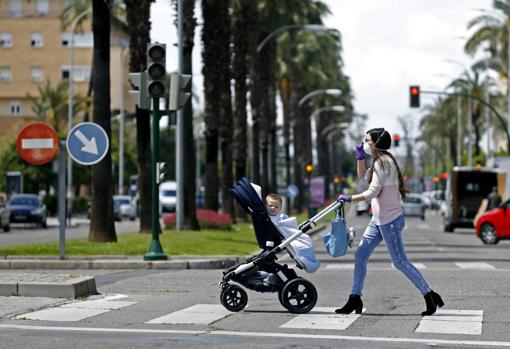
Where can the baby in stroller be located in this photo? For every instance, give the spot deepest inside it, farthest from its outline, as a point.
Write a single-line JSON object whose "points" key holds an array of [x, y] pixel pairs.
{"points": [[262, 273]]}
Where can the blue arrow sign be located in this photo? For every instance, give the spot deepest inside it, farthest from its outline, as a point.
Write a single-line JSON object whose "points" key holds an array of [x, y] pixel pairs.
{"points": [[87, 143]]}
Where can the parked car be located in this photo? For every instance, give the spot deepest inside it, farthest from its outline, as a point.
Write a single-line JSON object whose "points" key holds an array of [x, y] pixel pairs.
{"points": [[124, 207], [27, 208], [362, 207], [4, 216], [168, 196], [414, 205], [494, 225]]}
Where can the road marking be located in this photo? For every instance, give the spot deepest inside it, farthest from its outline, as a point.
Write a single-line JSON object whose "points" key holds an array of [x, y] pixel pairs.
{"points": [[199, 314], [453, 322], [423, 226], [475, 265], [417, 265], [340, 266], [37, 143], [77, 311], [322, 318], [135, 331]]}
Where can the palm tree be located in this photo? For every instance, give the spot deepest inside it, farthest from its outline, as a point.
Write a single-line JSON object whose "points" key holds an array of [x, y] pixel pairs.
{"points": [[102, 228], [138, 19], [188, 152], [212, 12], [51, 105]]}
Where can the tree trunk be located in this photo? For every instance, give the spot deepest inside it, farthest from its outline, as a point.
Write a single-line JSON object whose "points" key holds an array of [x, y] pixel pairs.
{"points": [[226, 123], [323, 151], [102, 227], [211, 12], [188, 152], [137, 16], [256, 101]]}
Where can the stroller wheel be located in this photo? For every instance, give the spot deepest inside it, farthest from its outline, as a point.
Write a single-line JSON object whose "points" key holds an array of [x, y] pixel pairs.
{"points": [[298, 296], [234, 298]]}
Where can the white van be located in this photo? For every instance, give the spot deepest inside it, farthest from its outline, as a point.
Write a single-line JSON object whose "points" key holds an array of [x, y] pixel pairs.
{"points": [[168, 196]]}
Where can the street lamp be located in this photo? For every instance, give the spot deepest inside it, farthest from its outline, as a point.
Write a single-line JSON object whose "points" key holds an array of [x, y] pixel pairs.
{"points": [[310, 27], [122, 122], [337, 108], [470, 122], [328, 91], [70, 106]]}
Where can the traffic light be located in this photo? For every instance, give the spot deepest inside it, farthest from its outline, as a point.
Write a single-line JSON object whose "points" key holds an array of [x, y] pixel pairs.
{"points": [[156, 70], [396, 140], [161, 169], [414, 94], [139, 96], [309, 169], [178, 91]]}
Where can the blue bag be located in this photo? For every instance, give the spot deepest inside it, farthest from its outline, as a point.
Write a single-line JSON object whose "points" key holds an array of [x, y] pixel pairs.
{"points": [[337, 240]]}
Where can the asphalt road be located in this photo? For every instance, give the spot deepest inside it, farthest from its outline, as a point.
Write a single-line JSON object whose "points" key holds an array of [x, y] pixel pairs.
{"points": [[180, 309], [79, 229]]}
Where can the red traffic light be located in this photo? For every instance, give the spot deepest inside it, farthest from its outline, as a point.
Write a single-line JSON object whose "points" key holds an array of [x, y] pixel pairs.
{"points": [[396, 139], [414, 96]]}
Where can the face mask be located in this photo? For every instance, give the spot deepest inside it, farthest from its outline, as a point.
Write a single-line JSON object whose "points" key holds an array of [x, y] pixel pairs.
{"points": [[367, 149]]}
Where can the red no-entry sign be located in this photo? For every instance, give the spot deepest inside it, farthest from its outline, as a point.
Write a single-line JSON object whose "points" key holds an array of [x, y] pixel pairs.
{"points": [[37, 143]]}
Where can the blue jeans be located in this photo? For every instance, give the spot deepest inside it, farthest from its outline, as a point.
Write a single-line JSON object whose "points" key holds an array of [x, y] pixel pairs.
{"points": [[391, 233]]}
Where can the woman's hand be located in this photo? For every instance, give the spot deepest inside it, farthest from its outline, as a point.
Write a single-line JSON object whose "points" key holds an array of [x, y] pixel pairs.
{"points": [[345, 198], [360, 153]]}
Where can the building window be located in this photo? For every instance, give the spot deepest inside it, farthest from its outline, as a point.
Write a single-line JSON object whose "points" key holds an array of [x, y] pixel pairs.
{"points": [[5, 39], [5, 74], [43, 7], [80, 39], [16, 8], [36, 74], [36, 39], [15, 108], [81, 73]]}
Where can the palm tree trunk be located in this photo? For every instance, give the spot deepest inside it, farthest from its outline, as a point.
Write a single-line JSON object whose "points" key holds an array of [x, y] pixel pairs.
{"points": [[212, 69], [256, 101], [188, 152], [137, 15], [226, 123], [102, 228]]}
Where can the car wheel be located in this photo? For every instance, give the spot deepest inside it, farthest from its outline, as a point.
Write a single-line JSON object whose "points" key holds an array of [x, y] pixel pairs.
{"points": [[448, 228], [422, 218], [488, 234], [6, 228]]}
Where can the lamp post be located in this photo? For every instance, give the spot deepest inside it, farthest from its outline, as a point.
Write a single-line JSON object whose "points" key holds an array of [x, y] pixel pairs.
{"points": [[70, 107], [329, 91], [310, 27], [470, 121], [125, 51]]}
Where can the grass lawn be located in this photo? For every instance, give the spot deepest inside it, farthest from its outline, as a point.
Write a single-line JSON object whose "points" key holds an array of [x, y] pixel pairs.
{"points": [[239, 241]]}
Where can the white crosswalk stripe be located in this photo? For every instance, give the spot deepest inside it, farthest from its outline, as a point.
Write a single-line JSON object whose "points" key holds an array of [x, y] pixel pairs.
{"points": [[199, 314], [78, 310], [453, 322], [322, 318], [475, 265]]}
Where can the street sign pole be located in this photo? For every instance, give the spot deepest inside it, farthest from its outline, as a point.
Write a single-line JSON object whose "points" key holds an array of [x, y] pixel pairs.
{"points": [[62, 199], [155, 250]]}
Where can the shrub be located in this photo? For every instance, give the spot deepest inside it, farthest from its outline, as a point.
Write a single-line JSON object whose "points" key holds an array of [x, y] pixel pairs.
{"points": [[208, 219]]}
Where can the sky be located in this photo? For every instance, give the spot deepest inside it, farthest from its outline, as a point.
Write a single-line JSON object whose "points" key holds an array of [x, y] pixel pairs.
{"points": [[388, 45]]}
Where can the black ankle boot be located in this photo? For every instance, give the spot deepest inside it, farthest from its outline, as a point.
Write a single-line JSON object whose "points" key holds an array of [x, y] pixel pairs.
{"points": [[353, 304], [432, 300]]}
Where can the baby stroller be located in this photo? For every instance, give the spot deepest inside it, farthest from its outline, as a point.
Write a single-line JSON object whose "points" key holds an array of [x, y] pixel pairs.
{"points": [[262, 273]]}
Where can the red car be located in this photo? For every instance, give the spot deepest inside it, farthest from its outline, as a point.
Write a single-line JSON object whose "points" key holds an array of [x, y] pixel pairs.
{"points": [[494, 225]]}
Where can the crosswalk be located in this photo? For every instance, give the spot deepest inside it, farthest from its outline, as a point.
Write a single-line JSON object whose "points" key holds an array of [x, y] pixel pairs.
{"points": [[445, 321], [452, 265]]}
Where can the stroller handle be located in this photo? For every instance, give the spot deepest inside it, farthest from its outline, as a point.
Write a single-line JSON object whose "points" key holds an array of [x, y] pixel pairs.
{"points": [[312, 222]]}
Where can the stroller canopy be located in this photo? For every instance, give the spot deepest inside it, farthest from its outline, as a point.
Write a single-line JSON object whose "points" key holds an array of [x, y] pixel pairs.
{"points": [[247, 197]]}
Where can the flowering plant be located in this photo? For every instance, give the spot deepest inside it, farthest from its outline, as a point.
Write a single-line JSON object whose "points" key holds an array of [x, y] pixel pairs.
{"points": [[208, 219]]}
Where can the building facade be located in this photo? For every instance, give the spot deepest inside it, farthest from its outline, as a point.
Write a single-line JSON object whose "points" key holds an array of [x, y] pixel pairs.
{"points": [[34, 48]]}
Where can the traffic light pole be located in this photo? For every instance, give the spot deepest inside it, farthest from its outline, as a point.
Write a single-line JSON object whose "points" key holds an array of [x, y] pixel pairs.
{"points": [[155, 250], [481, 100]]}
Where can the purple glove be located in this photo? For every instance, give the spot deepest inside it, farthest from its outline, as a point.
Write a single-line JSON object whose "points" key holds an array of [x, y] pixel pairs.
{"points": [[345, 198], [360, 153]]}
